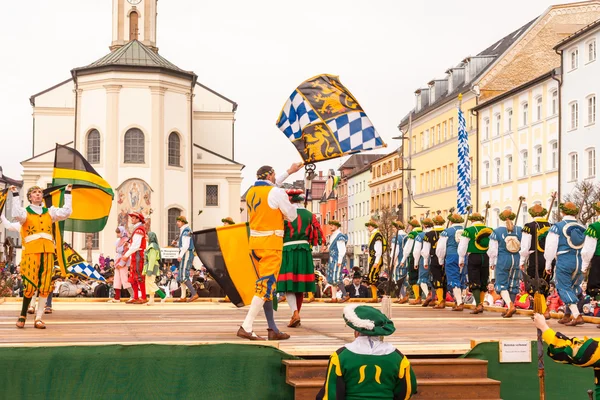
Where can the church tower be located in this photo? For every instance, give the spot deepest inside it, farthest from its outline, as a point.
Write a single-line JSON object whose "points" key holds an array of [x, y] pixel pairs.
{"points": [[134, 20]]}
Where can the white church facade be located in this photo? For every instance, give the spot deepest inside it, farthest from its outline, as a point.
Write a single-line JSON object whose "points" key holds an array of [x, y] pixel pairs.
{"points": [[164, 141]]}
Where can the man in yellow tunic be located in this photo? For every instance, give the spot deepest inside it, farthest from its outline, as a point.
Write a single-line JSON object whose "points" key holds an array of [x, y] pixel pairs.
{"points": [[37, 260], [268, 206]]}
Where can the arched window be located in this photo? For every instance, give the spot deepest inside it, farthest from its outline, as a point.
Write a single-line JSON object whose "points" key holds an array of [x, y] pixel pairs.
{"points": [[172, 229], [174, 150], [93, 147], [134, 147], [133, 25]]}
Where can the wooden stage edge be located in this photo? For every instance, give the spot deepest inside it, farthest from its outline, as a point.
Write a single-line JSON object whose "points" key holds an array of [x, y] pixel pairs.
{"points": [[420, 331]]}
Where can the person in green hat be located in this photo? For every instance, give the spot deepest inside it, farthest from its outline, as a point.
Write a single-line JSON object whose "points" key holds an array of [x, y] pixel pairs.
{"points": [[368, 366], [590, 256]]}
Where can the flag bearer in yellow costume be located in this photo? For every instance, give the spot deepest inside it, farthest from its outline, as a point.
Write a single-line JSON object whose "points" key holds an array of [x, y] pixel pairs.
{"points": [[377, 246], [37, 261], [268, 206], [368, 368]]}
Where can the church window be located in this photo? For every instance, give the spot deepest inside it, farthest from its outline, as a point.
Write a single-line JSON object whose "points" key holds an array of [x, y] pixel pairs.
{"points": [[212, 195], [172, 229], [174, 150], [133, 26], [93, 147], [134, 146]]}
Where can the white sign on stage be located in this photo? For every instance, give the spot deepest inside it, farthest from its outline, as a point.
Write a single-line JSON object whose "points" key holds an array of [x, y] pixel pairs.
{"points": [[515, 351], [169, 253]]}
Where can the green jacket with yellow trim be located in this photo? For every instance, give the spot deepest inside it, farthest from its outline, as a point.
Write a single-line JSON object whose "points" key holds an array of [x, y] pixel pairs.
{"points": [[479, 236], [593, 231], [352, 376], [578, 352]]}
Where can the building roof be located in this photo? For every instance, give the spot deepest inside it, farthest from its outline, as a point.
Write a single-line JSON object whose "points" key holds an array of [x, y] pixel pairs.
{"points": [[134, 54], [524, 86], [495, 50], [10, 181], [360, 160], [32, 98], [218, 155], [359, 171], [577, 34]]}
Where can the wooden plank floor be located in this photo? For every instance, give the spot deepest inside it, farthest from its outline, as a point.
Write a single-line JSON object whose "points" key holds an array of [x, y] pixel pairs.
{"points": [[420, 331]]}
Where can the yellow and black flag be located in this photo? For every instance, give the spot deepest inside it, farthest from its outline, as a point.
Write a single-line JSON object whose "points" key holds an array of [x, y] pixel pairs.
{"points": [[3, 195], [92, 197], [225, 253]]}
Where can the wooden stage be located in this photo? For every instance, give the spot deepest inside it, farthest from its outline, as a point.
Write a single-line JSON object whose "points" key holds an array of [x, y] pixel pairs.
{"points": [[420, 331]]}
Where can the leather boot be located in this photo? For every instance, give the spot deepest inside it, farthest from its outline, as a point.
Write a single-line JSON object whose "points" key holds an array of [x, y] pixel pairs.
{"points": [[458, 308], [547, 314], [277, 336], [295, 321], [564, 319], [441, 305], [512, 311], [478, 309], [415, 302], [575, 321], [427, 300]]}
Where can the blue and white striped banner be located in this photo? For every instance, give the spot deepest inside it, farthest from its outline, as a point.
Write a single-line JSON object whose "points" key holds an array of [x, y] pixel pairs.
{"points": [[463, 183]]}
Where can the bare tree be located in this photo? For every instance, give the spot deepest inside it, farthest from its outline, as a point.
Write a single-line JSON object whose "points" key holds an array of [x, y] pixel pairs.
{"points": [[385, 218], [584, 195]]}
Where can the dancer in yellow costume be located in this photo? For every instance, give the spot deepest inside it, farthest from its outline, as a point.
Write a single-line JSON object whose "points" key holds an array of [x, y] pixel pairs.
{"points": [[268, 205], [37, 261]]}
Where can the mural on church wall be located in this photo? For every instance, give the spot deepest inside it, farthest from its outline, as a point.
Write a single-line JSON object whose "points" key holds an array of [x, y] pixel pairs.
{"points": [[134, 195]]}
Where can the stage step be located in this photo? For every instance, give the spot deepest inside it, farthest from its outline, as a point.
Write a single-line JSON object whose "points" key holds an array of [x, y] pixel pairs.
{"points": [[436, 378]]}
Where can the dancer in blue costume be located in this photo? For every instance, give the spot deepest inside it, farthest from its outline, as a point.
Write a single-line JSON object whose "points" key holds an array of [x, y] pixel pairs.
{"points": [[424, 274], [503, 252], [447, 253], [400, 271], [564, 243]]}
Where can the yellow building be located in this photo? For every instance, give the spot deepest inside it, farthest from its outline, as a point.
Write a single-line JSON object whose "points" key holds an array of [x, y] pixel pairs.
{"points": [[514, 60], [519, 147], [386, 183]]}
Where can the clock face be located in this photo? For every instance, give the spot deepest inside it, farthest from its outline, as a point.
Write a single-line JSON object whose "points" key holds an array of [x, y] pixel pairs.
{"points": [[134, 2]]}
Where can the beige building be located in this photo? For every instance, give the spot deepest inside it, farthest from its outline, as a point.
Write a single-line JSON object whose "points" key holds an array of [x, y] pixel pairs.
{"points": [[519, 147], [164, 141]]}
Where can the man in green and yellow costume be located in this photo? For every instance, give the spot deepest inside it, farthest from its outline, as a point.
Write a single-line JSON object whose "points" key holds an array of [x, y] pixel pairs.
{"points": [[368, 368], [475, 242], [409, 260]]}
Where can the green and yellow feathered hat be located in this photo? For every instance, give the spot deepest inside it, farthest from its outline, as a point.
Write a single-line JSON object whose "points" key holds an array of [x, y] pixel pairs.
{"points": [[569, 208], [427, 222], [507, 214], [372, 223], [414, 223], [368, 321], [476, 217], [438, 220], [456, 218], [537, 211]]}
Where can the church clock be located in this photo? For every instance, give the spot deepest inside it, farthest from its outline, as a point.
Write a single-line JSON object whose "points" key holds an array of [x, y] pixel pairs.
{"points": [[134, 2]]}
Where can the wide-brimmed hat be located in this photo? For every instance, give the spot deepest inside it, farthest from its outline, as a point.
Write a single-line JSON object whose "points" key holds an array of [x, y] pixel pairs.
{"points": [[414, 223], [356, 275], [138, 216], [507, 214], [439, 220], [333, 222], [427, 222], [596, 207], [228, 220], [456, 218], [372, 223], [398, 224], [537, 211], [476, 217], [368, 321], [569, 208], [183, 219]]}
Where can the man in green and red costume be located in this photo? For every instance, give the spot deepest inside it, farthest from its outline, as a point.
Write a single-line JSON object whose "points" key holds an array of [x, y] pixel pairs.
{"points": [[368, 368], [297, 274], [475, 241], [590, 257]]}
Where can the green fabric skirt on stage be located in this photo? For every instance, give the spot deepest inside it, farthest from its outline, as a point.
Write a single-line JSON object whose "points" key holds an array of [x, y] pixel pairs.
{"points": [[297, 272]]}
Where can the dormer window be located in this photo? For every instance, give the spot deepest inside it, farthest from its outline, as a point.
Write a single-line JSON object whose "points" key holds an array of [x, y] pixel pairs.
{"points": [[431, 94], [418, 101]]}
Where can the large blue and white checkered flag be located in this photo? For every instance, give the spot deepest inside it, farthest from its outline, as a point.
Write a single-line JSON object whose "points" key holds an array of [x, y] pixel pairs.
{"points": [[86, 270], [463, 183], [324, 121]]}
